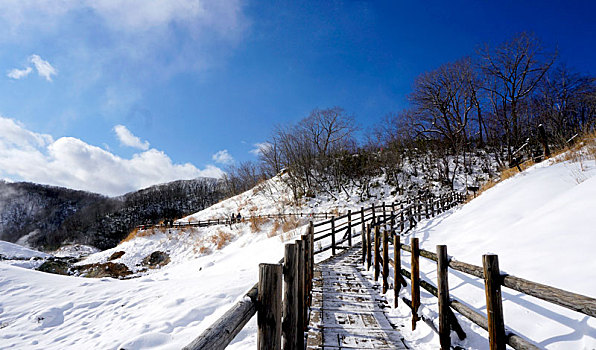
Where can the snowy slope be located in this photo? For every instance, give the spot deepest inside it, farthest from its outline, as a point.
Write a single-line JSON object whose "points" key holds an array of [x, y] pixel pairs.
{"points": [[166, 308], [539, 222], [541, 225]]}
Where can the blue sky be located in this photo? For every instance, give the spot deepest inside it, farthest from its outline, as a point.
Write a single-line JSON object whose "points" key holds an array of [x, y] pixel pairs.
{"points": [[111, 96]]}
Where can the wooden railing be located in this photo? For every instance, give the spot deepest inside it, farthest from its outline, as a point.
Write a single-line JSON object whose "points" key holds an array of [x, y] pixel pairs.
{"points": [[230, 221], [386, 231], [296, 270]]}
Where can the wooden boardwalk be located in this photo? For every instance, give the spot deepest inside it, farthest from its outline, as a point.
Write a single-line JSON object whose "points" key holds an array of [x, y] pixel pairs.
{"points": [[347, 309]]}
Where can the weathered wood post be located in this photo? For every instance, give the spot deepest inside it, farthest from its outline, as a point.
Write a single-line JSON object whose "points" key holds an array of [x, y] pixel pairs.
{"points": [[312, 254], [290, 303], [333, 235], [349, 231], [377, 253], [306, 267], [494, 303], [301, 280], [415, 281], [443, 296], [373, 213], [269, 311], [396, 269], [305, 238], [385, 261], [401, 218], [368, 247], [364, 244], [384, 215], [362, 221]]}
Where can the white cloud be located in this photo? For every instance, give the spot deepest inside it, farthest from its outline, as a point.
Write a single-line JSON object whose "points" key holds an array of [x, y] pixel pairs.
{"points": [[128, 139], [19, 73], [44, 68], [259, 148], [70, 162], [223, 157]]}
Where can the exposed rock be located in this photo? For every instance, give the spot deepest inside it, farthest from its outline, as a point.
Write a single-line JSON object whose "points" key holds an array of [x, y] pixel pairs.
{"points": [[116, 255], [109, 269], [59, 267], [156, 259]]}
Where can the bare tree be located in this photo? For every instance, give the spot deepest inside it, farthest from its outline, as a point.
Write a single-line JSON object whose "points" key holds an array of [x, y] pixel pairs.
{"points": [[513, 70]]}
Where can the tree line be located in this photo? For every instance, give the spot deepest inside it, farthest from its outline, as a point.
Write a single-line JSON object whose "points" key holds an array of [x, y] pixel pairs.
{"points": [[473, 112]]}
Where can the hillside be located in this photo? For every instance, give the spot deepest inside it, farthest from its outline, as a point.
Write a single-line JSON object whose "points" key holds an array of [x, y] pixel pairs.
{"points": [[47, 217], [537, 221]]}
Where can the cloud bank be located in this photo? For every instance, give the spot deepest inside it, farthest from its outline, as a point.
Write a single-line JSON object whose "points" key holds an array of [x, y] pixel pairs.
{"points": [[72, 163]]}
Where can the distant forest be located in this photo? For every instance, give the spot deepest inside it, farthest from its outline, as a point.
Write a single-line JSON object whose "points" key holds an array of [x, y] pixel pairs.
{"points": [[48, 217], [480, 111]]}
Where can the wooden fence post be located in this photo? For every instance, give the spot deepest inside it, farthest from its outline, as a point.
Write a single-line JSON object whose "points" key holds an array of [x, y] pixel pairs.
{"points": [[384, 215], [377, 253], [363, 247], [305, 238], [290, 321], [415, 281], [385, 261], [333, 235], [443, 296], [312, 254], [269, 313], [349, 230], [396, 269], [401, 219], [368, 247], [362, 221], [301, 306], [306, 268], [494, 303], [373, 213]]}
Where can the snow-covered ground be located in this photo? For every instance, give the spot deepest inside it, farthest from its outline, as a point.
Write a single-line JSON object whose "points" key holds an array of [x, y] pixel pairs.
{"points": [[541, 225], [539, 222]]}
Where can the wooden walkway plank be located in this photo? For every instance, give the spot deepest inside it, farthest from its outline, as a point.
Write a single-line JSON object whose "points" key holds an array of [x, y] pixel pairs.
{"points": [[348, 310]]}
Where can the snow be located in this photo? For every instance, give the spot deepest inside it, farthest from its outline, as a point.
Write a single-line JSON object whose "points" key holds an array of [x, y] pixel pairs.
{"points": [[538, 222], [14, 251]]}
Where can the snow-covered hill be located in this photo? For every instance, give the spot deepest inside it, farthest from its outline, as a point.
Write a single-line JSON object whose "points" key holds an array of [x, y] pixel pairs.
{"points": [[539, 222], [541, 225]]}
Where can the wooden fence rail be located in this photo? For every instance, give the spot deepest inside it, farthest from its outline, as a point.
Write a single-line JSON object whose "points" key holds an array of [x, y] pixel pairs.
{"points": [[379, 225], [493, 323]]}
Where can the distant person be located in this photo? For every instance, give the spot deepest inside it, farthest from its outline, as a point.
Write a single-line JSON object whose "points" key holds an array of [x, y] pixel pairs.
{"points": [[238, 217], [233, 219]]}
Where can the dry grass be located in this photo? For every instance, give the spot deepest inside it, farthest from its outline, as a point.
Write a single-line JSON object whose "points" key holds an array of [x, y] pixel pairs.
{"points": [[221, 239], [275, 229], [290, 223], [506, 173], [583, 149], [138, 233], [256, 223]]}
